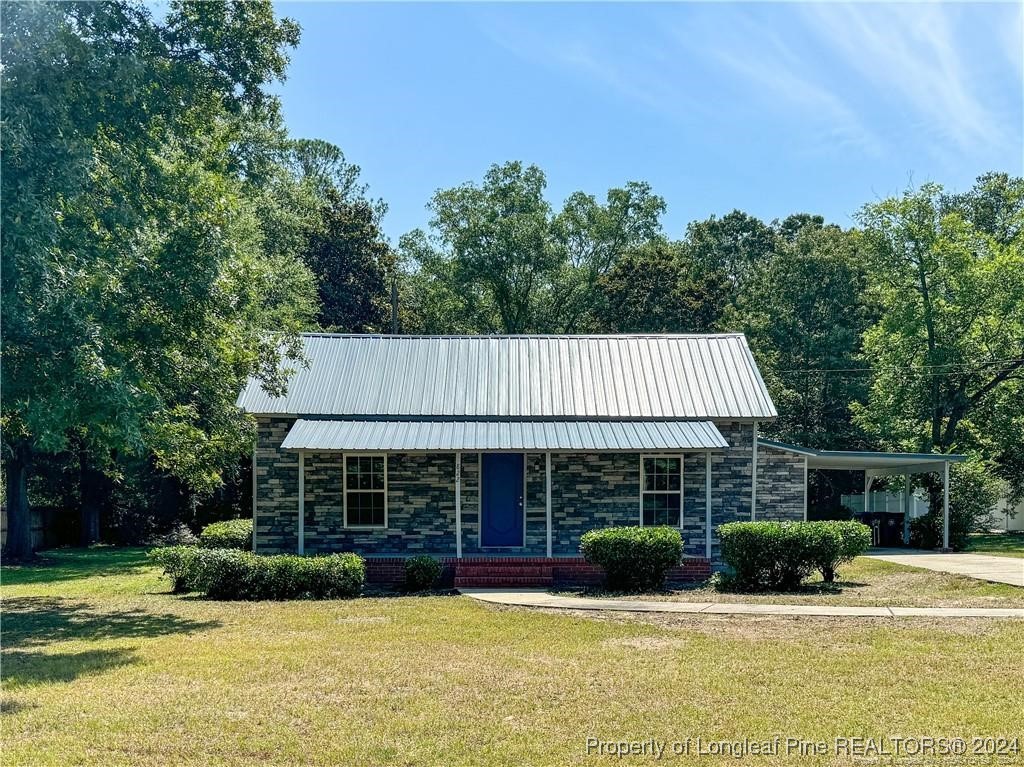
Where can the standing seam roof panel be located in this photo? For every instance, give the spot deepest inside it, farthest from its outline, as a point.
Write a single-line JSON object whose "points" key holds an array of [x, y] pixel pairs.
{"points": [[397, 436], [627, 377]]}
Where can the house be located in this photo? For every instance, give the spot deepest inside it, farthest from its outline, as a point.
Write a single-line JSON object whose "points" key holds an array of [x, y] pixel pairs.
{"points": [[496, 453]]}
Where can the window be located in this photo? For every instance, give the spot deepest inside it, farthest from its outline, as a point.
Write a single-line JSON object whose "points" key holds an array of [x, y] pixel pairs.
{"points": [[366, 485], [661, 490]]}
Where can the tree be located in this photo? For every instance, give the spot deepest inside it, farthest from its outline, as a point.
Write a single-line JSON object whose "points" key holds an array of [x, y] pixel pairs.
{"points": [[734, 244], [950, 286], [497, 235], [351, 262], [140, 286], [514, 266], [594, 237], [803, 311], [947, 353], [658, 289]]}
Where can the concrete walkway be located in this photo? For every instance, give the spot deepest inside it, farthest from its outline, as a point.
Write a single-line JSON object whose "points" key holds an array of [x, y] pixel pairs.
{"points": [[984, 567], [541, 598]]}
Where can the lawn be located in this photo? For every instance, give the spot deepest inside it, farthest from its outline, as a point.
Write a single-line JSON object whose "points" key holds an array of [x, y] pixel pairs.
{"points": [[1000, 544], [867, 582], [100, 667]]}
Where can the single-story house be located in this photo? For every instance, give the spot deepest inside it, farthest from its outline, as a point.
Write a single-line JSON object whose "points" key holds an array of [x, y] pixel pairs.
{"points": [[496, 453]]}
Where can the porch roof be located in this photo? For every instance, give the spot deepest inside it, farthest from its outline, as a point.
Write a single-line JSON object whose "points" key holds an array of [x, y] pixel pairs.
{"points": [[539, 436], [877, 464]]}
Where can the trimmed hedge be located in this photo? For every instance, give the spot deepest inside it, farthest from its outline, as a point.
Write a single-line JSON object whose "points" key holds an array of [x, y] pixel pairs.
{"points": [[234, 574], [836, 543], [779, 556], [421, 572], [633, 558], [179, 564], [230, 534]]}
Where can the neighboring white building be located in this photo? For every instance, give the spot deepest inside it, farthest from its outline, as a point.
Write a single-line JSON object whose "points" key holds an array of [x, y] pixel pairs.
{"points": [[1002, 519]]}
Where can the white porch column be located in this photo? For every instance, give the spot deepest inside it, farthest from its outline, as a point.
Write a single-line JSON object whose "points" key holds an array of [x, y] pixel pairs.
{"points": [[945, 504], [302, 502], [868, 479], [547, 499], [255, 487], [458, 505], [753, 478], [707, 504], [906, 508]]}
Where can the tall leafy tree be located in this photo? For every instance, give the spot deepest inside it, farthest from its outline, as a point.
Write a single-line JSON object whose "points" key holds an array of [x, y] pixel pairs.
{"points": [[514, 264], [657, 288], [352, 264], [734, 244], [803, 309], [948, 275], [947, 353], [141, 283], [594, 237], [497, 235]]}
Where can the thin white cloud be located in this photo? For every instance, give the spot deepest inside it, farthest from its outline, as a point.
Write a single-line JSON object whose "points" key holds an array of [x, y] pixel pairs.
{"points": [[871, 77], [637, 75], [909, 54], [782, 75]]}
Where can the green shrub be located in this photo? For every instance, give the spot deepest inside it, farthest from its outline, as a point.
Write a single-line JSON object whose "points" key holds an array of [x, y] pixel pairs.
{"points": [[779, 556], [633, 558], [231, 534], [179, 564], [421, 572], [234, 574], [834, 543]]}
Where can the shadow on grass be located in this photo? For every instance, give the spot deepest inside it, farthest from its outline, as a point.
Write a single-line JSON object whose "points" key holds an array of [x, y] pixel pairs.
{"points": [[24, 669], [68, 564], [30, 621], [996, 543], [12, 706]]}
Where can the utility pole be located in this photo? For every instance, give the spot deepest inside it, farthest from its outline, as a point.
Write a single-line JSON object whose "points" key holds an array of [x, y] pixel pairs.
{"points": [[394, 305]]}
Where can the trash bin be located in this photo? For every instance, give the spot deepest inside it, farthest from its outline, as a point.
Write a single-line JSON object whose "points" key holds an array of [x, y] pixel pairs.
{"points": [[886, 528]]}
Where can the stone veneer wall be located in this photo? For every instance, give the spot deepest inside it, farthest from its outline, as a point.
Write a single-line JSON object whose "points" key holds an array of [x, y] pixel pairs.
{"points": [[277, 490], [587, 491], [781, 484]]}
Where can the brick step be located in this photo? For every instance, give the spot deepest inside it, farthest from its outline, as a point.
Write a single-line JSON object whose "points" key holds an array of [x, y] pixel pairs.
{"points": [[506, 580], [496, 571]]}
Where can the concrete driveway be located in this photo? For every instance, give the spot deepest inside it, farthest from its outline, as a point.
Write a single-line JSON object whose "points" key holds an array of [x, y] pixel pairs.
{"points": [[981, 566]]}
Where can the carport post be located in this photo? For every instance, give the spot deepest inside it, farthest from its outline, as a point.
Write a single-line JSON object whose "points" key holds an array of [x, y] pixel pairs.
{"points": [[906, 508], [945, 504]]}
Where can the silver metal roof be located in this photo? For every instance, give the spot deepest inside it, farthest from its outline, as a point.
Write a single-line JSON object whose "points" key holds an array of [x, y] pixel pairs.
{"points": [[558, 436], [876, 463], [483, 377]]}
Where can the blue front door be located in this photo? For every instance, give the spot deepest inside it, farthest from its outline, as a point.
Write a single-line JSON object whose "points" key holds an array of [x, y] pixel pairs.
{"points": [[501, 500]]}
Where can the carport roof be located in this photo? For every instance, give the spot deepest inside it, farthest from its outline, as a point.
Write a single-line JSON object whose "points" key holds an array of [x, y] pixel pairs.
{"points": [[876, 463]]}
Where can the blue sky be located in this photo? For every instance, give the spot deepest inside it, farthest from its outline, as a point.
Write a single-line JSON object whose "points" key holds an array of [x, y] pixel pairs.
{"points": [[769, 108]]}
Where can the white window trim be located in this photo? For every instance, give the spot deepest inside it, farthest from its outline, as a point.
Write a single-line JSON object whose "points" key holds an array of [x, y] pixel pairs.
{"points": [[682, 484], [344, 490]]}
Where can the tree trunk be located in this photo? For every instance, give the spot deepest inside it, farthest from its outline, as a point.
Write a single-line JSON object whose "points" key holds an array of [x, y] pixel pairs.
{"points": [[91, 494], [19, 519]]}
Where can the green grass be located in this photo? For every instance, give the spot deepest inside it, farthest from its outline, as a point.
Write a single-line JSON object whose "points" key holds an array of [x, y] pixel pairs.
{"points": [[867, 582], [99, 668], [1000, 544]]}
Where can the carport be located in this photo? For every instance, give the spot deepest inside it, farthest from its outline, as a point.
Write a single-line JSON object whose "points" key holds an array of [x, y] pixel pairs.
{"points": [[876, 464]]}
